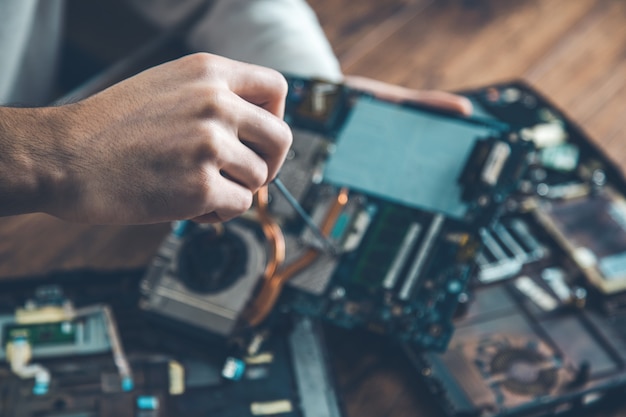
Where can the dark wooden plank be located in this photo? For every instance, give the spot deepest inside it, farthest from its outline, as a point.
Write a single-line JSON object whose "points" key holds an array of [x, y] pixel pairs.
{"points": [[587, 63], [37, 243], [452, 45], [356, 27], [586, 75]]}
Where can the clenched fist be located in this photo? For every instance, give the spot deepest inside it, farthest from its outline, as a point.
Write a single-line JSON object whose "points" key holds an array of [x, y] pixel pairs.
{"points": [[194, 138]]}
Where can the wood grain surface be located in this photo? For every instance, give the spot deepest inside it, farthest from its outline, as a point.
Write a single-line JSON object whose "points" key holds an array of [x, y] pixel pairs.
{"points": [[574, 51]]}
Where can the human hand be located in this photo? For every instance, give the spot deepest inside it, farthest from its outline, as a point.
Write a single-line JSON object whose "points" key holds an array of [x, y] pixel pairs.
{"points": [[438, 99], [194, 138]]}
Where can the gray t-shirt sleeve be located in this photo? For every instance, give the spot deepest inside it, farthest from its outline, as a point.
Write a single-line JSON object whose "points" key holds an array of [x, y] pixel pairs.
{"points": [[280, 34], [30, 38]]}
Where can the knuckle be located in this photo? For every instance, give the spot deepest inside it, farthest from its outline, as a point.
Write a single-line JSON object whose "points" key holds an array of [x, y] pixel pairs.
{"points": [[214, 100], [204, 129], [281, 87], [287, 134], [202, 64], [244, 202], [207, 150], [276, 83], [207, 137], [259, 176], [284, 137], [283, 140]]}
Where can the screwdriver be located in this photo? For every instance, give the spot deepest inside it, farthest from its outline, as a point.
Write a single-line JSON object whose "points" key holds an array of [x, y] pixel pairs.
{"points": [[293, 202]]}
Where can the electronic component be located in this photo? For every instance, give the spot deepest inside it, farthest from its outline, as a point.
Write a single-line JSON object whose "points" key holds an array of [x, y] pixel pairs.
{"points": [[507, 247], [546, 135], [317, 105], [81, 387], [175, 373], [563, 157], [593, 232], [52, 327], [401, 247], [387, 151], [205, 275], [406, 245], [49, 326], [310, 362], [398, 233], [564, 191], [531, 341], [362, 172], [510, 355]]}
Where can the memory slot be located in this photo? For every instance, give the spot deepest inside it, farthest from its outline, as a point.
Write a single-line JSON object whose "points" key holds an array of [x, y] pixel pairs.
{"points": [[510, 242], [422, 254], [492, 245], [412, 234], [525, 237]]}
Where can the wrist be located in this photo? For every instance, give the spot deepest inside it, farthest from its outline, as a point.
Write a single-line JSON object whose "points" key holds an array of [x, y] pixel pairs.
{"points": [[34, 159]]}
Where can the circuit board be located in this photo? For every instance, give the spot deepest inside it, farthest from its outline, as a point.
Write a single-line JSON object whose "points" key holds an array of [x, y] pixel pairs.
{"points": [[541, 331], [420, 185], [374, 222], [171, 373]]}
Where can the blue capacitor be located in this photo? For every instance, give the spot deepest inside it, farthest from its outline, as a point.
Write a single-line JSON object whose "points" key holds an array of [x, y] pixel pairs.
{"points": [[147, 402]]}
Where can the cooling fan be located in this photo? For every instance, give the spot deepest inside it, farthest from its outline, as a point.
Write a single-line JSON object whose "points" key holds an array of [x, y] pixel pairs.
{"points": [[518, 368]]}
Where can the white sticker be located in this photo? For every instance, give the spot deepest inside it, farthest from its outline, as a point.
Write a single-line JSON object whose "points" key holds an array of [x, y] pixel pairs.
{"points": [[271, 408], [534, 292], [585, 258]]}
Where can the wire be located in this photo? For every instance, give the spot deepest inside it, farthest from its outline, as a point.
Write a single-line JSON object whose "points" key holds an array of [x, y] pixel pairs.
{"points": [[264, 302], [119, 357], [273, 233]]}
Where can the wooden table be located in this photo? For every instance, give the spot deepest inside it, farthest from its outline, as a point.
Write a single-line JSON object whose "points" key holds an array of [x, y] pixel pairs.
{"points": [[572, 50]]}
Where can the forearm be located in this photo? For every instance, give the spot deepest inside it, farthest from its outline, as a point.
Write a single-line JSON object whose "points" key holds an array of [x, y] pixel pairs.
{"points": [[32, 159]]}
